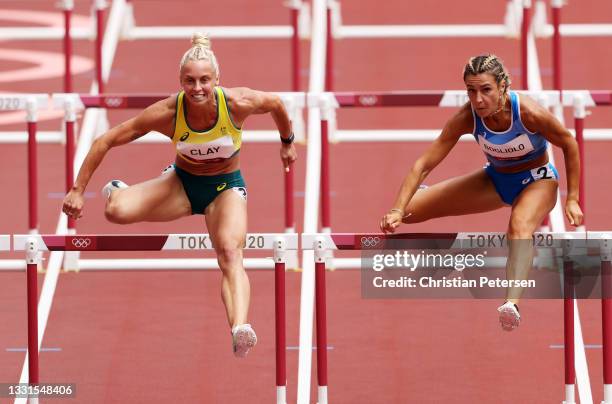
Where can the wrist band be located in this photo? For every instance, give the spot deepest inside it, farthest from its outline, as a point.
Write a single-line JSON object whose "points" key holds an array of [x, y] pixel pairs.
{"points": [[396, 210], [288, 140]]}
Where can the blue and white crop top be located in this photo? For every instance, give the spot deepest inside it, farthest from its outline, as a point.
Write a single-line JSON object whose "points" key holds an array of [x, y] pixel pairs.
{"points": [[515, 146]]}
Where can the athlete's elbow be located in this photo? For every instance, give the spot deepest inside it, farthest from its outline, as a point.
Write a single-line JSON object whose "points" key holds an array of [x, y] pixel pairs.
{"points": [[277, 104]]}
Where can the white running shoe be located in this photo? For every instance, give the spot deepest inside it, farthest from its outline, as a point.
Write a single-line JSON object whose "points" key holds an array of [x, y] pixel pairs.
{"points": [[243, 338], [509, 317], [111, 186]]}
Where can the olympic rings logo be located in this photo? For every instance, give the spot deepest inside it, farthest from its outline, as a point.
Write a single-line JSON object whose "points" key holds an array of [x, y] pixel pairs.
{"points": [[368, 100], [81, 242], [369, 241], [113, 102]]}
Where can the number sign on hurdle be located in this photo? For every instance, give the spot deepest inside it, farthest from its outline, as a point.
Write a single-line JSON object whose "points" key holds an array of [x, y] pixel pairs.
{"points": [[564, 244], [280, 243]]}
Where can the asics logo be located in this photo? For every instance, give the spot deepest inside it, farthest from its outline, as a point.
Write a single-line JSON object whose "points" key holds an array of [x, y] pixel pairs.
{"points": [[184, 137], [81, 242], [526, 181], [221, 187], [369, 241]]}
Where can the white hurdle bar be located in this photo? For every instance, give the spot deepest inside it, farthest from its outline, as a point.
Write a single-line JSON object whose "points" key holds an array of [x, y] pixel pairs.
{"points": [[321, 243], [280, 243], [5, 245], [299, 11], [429, 135]]}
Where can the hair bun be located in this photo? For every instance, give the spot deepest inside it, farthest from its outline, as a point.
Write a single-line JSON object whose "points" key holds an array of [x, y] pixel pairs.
{"points": [[200, 39]]}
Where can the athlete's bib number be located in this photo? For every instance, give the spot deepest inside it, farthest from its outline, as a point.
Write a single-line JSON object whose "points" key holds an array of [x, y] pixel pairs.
{"points": [[543, 173]]}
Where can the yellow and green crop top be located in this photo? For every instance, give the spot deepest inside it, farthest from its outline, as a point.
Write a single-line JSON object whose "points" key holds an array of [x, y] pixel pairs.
{"points": [[221, 141]]}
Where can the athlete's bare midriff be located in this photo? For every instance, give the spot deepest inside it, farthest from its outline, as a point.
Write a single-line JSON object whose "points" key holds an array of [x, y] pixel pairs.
{"points": [[224, 166], [527, 165]]}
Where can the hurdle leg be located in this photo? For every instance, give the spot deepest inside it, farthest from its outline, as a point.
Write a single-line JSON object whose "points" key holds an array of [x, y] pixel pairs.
{"points": [[606, 316], [568, 329], [32, 295], [32, 167], [321, 321], [70, 257], [326, 114], [280, 323]]}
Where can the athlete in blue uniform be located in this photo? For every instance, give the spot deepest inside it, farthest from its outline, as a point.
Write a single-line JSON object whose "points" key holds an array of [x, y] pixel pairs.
{"points": [[204, 122], [512, 132]]}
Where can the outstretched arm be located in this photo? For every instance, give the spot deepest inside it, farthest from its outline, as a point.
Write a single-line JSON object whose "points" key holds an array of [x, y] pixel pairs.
{"points": [[538, 119], [245, 101], [155, 117], [437, 151]]}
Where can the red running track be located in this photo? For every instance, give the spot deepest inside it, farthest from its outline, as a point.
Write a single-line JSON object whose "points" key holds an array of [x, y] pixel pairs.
{"points": [[143, 334]]}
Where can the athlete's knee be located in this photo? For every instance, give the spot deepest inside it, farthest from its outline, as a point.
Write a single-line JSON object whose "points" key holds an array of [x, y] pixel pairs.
{"points": [[230, 255], [520, 227], [116, 213]]}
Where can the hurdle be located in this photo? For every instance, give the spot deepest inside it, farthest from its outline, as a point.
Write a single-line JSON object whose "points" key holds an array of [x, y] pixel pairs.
{"points": [[30, 103], [516, 24], [603, 241], [298, 28], [520, 21], [67, 34], [280, 243], [568, 245]]}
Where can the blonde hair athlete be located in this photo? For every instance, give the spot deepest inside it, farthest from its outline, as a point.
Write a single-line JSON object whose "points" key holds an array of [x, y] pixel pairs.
{"points": [[512, 132], [204, 122]]}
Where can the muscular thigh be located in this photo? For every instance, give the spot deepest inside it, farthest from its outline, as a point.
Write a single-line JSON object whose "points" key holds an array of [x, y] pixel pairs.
{"points": [[159, 199], [532, 205], [226, 219], [463, 195]]}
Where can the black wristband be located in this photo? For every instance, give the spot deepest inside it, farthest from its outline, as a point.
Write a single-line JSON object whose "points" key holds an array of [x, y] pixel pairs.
{"points": [[288, 140]]}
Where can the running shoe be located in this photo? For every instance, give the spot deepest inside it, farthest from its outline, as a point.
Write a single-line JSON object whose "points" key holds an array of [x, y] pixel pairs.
{"points": [[243, 338], [509, 317], [111, 186]]}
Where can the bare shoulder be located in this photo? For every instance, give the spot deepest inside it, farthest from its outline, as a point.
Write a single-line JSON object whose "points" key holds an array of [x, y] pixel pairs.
{"points": [[242, 96], [158, 116], [532, 113], [461, 122], [244, 101]]}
